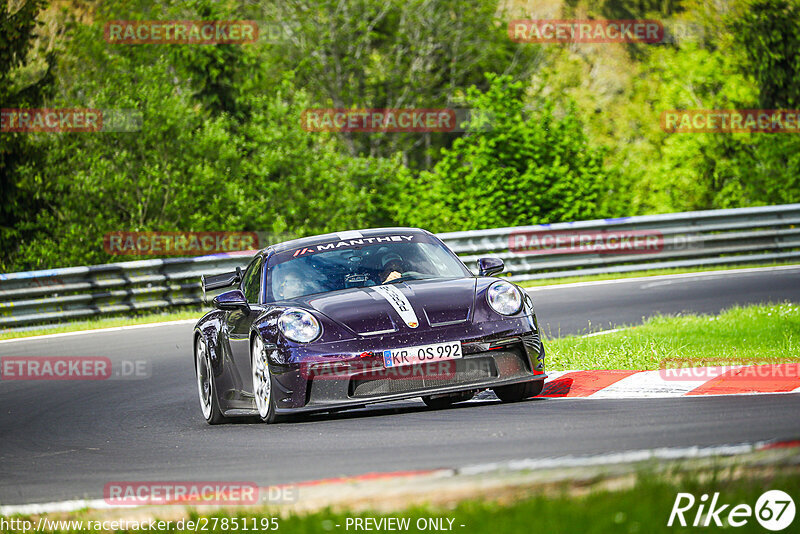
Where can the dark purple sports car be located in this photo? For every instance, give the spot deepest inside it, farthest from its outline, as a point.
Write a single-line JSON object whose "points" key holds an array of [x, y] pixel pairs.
{"points": [[347, 319]]}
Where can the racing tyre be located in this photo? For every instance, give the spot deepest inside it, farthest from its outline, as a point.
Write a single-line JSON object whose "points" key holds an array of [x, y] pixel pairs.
{"points": [[262, 382], [519, 392], [205, 383]]}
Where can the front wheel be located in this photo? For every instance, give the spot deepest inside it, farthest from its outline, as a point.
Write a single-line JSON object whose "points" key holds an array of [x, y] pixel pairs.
{"points": [[519, 392], [262, 382], [205, 384]]}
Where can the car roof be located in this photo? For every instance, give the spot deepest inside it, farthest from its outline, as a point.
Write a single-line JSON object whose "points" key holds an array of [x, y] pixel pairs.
{"points": [[342, 236]]}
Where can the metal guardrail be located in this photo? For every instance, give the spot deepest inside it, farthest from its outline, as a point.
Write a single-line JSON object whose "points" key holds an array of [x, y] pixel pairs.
{"points": [[691, 239]]}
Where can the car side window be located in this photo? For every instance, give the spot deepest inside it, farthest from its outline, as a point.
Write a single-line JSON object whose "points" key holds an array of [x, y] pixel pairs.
{"points": [[251, 284]]}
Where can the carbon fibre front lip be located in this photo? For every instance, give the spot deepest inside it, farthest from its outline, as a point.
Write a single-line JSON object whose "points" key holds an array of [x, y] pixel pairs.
{"points": [[356, 403], [403, 396], [350, 403]]}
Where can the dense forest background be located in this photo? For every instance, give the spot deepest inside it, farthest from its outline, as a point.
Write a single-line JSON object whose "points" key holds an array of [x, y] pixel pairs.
{"points": [[576, 135]]}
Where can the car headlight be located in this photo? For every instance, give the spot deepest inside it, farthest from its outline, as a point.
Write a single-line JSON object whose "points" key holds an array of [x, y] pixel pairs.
{"points": [[299, 326], [504, 298]]}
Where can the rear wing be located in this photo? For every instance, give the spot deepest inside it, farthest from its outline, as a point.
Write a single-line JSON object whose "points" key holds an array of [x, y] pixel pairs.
{"points": [[211, 282]]}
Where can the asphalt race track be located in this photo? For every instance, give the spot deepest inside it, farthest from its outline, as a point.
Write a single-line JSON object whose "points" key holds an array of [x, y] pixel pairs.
{"points": [[62, 440]]}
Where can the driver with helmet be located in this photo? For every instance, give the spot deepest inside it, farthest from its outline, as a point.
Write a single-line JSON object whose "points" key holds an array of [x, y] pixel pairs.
{"points": [[392, 267], [291, 284]]}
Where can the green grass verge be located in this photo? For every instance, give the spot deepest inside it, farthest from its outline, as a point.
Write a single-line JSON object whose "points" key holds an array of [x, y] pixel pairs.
{"points": [[763, 332], [643, 507], [638, 274], [107, 322]]}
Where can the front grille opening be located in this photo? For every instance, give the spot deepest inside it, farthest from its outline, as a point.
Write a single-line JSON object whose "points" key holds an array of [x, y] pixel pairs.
{"points": [[465, 371]]}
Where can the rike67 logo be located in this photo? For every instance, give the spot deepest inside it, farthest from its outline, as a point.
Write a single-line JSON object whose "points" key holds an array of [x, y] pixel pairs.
{"points": [[774, 510]]}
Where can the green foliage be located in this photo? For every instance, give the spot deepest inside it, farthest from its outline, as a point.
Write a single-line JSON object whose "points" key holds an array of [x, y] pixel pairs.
{"points": [[23, 84], [575, 134], [396, 54], [761, 168], [734, 57], [531, 166], [194, 165], [769, 33], [689, 171]]}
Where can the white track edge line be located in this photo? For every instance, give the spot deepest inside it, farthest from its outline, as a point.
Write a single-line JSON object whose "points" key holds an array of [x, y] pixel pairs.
{"points": [[663, 453], [100, 330], [631, 456], [604, 332], [725, 272]]}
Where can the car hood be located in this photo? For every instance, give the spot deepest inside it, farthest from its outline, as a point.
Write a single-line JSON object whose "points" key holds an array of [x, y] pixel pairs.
{"points": [[371, 310]]}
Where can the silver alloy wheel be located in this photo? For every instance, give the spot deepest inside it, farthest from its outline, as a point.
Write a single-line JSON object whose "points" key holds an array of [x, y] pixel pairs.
{"points": [[262, 386], [203, 377]]}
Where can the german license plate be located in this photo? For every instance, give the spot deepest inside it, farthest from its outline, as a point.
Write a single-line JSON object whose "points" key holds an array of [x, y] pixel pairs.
{"points": [[422, 354]]}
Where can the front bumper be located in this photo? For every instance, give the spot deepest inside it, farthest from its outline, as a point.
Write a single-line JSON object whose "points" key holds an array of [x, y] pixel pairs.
{"points": [[322, 381]]}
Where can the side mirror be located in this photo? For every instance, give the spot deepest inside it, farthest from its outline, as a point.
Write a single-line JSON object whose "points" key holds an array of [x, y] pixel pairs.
{"points": [[490, 266], [231, 300]]}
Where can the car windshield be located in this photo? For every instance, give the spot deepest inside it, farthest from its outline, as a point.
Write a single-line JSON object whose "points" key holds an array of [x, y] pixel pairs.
{"points": [[360, 266]]}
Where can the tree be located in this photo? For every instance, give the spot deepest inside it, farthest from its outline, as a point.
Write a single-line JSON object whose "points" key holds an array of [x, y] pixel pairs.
{"points": [[192, 165], [529, 167], [768, 32], [23, 84], [395, 54]]}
